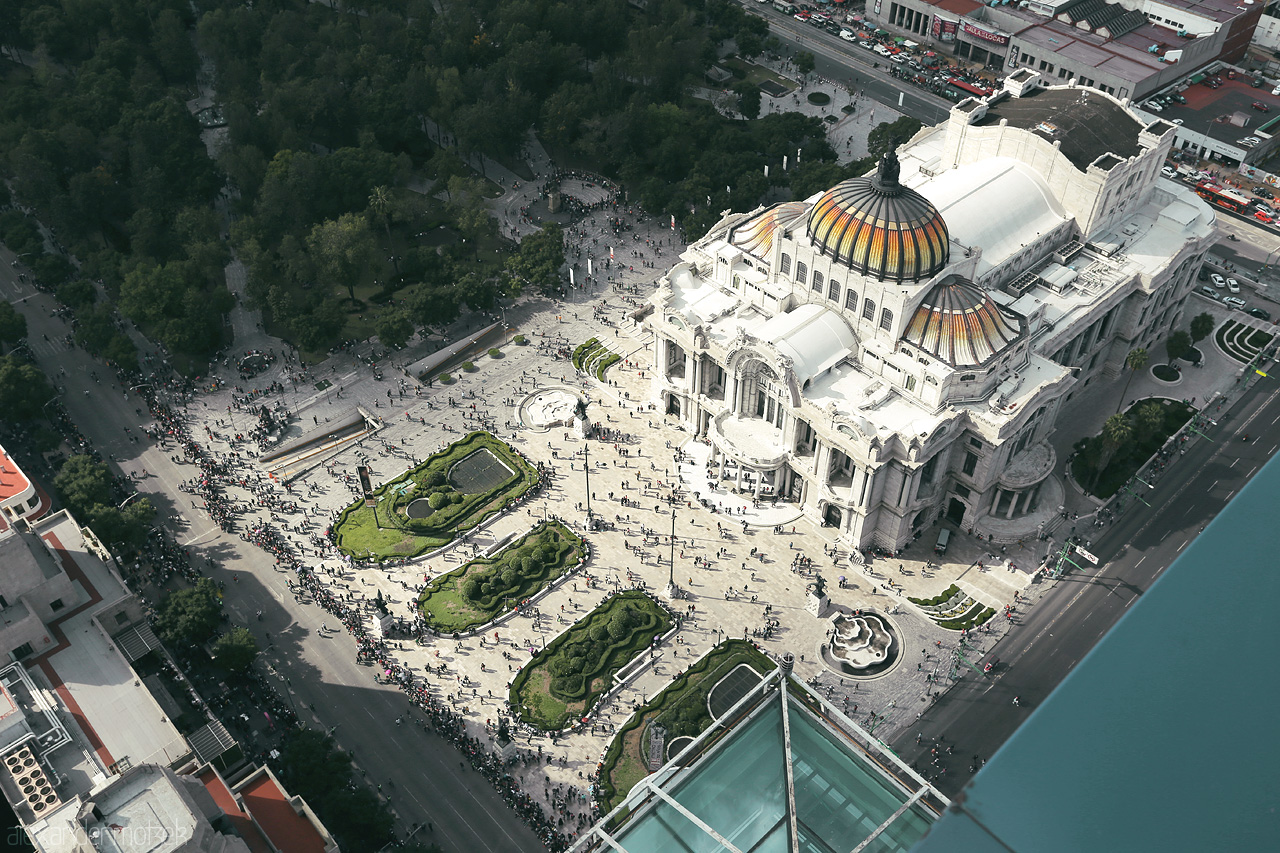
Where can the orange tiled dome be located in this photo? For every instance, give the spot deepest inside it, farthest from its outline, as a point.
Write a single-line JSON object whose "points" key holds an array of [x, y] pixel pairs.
{"points": [[880, 228], [958, 323]]}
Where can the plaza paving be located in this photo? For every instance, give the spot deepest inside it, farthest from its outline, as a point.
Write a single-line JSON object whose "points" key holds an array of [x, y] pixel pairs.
{"points": [[729, 592]]}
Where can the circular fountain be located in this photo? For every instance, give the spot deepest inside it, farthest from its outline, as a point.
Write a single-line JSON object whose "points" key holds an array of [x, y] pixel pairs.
{"points": [[549, 408], [860, 644]]}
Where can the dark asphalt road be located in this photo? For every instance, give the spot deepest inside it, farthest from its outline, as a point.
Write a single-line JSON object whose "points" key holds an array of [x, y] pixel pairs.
{"points": [[839, 60], [977, 715]]}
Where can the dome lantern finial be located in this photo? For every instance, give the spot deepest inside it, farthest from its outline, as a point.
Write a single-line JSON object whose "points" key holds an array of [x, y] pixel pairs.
{"points": [[887, 172]]}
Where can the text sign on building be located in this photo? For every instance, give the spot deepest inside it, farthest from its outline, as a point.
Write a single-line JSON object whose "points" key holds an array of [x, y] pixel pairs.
{"points": [[943, 30], [972, 29]]}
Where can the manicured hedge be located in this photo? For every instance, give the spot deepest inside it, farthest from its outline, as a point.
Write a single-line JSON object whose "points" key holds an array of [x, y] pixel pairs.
{"points": [[937, 599], [977, 618], [590, 346], [605, 364], [551, 549], [394, 534], [581, 662]]}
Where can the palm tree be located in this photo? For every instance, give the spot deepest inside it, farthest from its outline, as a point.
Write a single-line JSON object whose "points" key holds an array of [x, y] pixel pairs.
{"points": [[1135, 361], [1116, 432], [380, 205]]}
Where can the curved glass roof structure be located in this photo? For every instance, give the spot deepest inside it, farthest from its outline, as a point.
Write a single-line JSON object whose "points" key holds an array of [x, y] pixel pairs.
{"points": [[878, 227], [959, 324], [790, 775]]}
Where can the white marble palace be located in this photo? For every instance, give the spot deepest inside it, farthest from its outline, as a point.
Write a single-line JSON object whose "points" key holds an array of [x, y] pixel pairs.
{"points": [[897, 349]]}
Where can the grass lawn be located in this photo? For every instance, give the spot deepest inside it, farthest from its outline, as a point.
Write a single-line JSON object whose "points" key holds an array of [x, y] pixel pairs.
{"points": [[563, 680], [386, 530], [1241, 342], [1131, 455], [681, 708], [754, 74], [534, 561]]}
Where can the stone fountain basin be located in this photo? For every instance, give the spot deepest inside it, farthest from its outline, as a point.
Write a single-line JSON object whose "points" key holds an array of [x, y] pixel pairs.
{"points": [[859, 642], [550, 408]]}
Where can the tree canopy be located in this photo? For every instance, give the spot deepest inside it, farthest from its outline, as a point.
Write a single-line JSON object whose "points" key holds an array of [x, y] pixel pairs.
{"points": [[188, 617]]}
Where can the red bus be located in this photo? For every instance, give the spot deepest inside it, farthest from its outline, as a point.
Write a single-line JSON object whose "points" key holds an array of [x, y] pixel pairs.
{"points": [[964, 89], [1224, 197]]}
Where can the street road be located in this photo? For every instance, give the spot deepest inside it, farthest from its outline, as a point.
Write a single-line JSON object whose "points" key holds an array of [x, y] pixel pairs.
{"points": [[328, 689], [841, 61], [977, 714]]}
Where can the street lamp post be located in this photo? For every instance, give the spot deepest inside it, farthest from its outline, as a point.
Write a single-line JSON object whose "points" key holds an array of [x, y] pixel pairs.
{"points": [[671, 576]]}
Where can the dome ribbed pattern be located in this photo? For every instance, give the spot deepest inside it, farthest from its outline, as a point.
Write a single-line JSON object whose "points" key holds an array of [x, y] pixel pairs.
{"points": [[958, 323], [756, 236], [879, 228]]}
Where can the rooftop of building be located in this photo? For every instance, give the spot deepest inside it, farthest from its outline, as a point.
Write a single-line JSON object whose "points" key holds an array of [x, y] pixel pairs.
{"points": [[12, 481], [272, 810], [1113, 759], [1087, 123], [1213, 10], [87, 670], [226, 800], [1227, 113], [781, 770]]}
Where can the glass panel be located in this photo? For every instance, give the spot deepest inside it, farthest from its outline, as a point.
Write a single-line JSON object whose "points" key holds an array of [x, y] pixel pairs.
{"points": [[841, 797]]}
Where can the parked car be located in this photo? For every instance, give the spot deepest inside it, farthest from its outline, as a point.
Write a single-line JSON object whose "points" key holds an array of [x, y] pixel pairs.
{"points": [[1263, 192], [1233, 301], [1169, 172], [1218, 281], [848, 35], [1259, 313], [1209, 292], [1233, 285], [1155, 107]]}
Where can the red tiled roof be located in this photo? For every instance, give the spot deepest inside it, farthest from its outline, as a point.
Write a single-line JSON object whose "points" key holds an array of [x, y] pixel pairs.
{"points": [[269, 806], [12, 480], [227, 802]]}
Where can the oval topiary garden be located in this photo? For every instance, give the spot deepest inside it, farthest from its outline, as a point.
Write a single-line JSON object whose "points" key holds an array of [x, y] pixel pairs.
{"points": [[561, 682], [425, 507], [479, 591]]}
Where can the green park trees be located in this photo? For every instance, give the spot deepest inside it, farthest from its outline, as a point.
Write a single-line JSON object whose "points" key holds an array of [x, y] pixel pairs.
{"points": [[13, 326], [1177, 345], [188, 617], [84, 484], [342, 249], [24, 390], [1201, 327], [537, 262], [234, 651]]}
